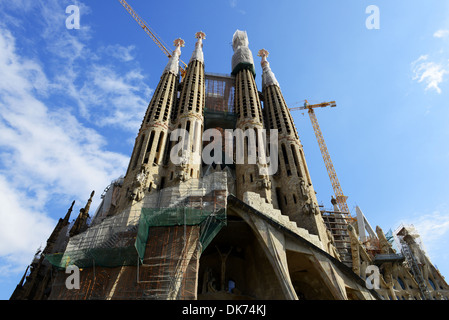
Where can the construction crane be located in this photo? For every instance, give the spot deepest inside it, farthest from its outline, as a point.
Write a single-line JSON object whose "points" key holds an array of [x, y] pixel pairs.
{"points": [[152, 34], [339, 196]]}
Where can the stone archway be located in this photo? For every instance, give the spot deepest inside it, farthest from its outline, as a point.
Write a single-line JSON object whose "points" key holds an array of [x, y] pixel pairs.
{"points": [[235, 266], [306, 279]]}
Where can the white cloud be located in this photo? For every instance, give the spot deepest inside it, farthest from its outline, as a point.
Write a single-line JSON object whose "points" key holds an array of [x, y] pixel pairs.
{"points": [[117, 95], [442, 33], [42, 144], [433, 226], [120, 52], [431, 73], [22, 230], [46, 152], [107, 87], [233, 4], [112, 91], [13, 72], [433, 229]]}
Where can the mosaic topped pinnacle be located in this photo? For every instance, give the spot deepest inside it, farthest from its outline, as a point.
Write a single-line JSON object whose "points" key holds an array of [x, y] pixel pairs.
{"points": [[200, 35], [179, 43], [263, 54], [268, 77], [198, 52], [173, 61]]}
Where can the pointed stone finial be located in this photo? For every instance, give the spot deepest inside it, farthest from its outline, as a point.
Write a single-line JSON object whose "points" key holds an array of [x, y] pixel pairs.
{"points": [[87, 207], [268, 77], [198, 52], [81, 222], [69, 212], [173, 61]]}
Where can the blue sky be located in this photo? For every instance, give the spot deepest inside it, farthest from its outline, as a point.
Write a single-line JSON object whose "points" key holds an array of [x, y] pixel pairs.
{"points": [[72, 101]]}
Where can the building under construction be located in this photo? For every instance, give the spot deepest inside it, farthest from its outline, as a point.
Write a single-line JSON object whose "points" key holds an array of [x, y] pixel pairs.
{"points": [[189, 229]]}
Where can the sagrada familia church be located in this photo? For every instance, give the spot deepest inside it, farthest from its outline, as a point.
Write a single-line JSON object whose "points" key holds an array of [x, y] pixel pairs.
{"points": [[177, 227]]}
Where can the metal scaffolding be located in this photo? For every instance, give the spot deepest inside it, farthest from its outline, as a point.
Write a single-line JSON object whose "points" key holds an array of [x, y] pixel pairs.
{"points": [[150, 253], [337, 223]]}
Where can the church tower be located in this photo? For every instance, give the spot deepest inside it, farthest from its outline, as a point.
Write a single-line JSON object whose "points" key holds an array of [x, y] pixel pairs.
{"points": [[185, 157], [145, 167], [250, 119], [293, 186]]}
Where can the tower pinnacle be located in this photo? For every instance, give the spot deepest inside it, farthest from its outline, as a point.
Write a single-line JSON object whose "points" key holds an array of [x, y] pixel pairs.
{"points": [[172, 65], [268, 77], [264, 55], [198, 52]]}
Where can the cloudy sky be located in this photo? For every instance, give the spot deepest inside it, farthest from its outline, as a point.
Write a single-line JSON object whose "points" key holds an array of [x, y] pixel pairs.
{"points": [[71, 103]]}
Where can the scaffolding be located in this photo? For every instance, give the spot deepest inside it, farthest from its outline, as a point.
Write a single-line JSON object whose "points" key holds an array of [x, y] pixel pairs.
{"points": [[108, 244], [337, 223], [220, 92], [408, 235], [372, 246], [148, 253], [219, 112]]}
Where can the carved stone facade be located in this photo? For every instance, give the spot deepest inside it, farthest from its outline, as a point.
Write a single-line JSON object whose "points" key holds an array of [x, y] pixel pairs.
{"points": [[398, 280]]}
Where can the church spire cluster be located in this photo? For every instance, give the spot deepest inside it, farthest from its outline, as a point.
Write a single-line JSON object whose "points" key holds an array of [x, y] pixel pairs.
{"points": [[180, 105], [178, 223]]}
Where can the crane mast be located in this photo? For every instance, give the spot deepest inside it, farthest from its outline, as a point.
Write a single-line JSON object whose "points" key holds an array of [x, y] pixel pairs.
{"points": [[339, 196], [152, 34]]}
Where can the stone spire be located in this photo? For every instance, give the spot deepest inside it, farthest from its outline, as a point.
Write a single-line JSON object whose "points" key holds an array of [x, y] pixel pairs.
{"points": [[57, 231], [146, 164], [80, 224], [69, 212], [294, 191], [187, 164], [35, 285], [249, 120]]}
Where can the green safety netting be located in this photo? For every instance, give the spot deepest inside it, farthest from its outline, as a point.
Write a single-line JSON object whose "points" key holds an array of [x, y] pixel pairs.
{"points": [[210, 224], [103, 257]]}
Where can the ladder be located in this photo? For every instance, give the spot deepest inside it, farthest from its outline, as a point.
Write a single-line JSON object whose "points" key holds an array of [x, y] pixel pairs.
{"points": [[416, 271]]}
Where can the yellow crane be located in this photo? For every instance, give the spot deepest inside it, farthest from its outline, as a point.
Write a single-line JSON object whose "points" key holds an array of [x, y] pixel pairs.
{"points": [[339, 196], [152, 34]]}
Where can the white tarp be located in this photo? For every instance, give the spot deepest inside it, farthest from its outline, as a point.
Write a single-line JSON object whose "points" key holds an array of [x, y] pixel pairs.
{"points": [[242, 54]]}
